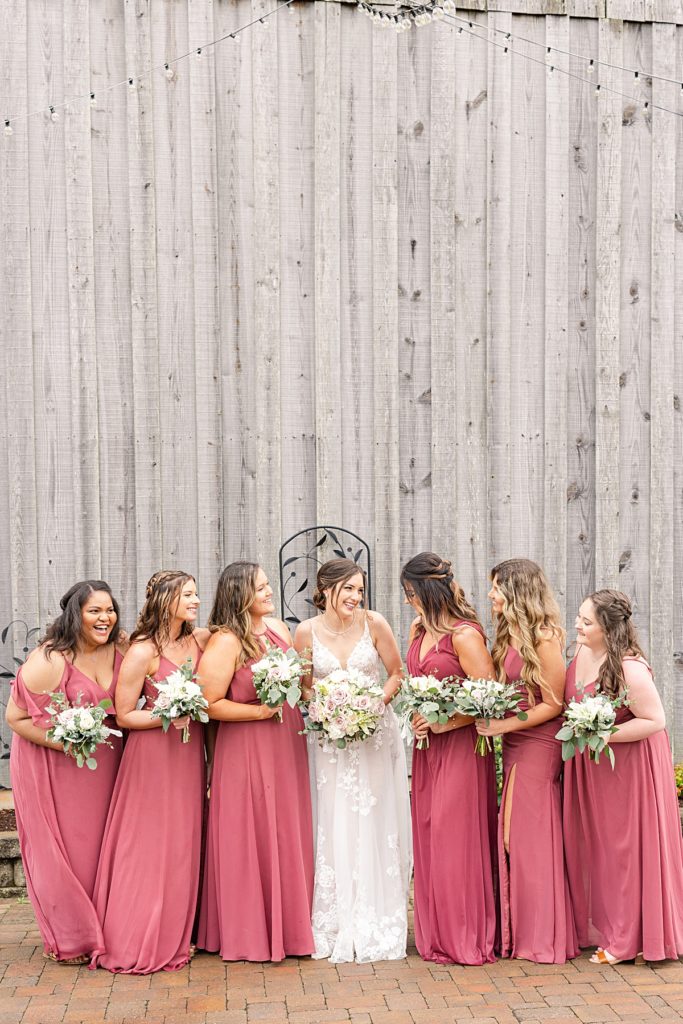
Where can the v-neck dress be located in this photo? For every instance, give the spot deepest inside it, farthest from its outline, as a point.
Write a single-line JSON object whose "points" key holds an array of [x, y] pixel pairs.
{"points": [[147, 884], [258, 874], [623, 845], [453, 798], [61, 811], [361, 819]]}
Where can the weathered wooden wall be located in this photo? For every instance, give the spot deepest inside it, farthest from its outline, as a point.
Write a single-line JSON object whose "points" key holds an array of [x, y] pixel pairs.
{"points": [[409, 284]]}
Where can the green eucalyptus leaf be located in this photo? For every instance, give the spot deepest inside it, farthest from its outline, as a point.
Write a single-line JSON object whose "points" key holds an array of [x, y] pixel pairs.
{"points": [[568, 751]]}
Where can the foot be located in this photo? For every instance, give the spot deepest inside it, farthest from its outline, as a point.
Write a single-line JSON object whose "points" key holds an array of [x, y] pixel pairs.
{"points": [[73, 961]]}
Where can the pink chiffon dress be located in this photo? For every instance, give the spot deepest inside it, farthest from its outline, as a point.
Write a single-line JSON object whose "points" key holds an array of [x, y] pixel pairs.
{"points": [[453, 803], [258, 871], [624, 850], [61, 812], [147, 883], [536, 912]]}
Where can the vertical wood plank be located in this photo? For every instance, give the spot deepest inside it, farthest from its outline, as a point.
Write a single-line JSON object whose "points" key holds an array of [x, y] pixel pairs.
{"points": [[112, 315], [498, 231], [81, 285], [527, 282], [236, 279], [355, 236], [634, 379], [414, 295], [470, 166], [327, 141], [266, 411], [206, 312], [385, 398], [580, 485], [296, 59], [55, 467], [676, 727], [145, 385], [662, 367], [445, 351], [175, 291], [608, 247], [556, 291], [18, 532]]}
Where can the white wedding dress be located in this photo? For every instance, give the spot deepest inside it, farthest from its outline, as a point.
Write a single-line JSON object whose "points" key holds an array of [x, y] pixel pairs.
{"points": [[361, 829]]}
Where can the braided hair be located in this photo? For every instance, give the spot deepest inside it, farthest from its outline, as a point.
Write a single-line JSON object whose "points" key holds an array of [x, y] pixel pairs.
{"points": [[613, 614], [161, 598], [441, 597]]}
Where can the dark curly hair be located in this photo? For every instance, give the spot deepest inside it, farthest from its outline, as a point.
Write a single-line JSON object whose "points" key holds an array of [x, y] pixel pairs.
{"points": [[63, 634]]}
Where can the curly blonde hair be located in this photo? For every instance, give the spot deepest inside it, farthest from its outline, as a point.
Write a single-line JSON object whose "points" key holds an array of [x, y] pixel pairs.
{"points": [[530, 611], [235, 593]]}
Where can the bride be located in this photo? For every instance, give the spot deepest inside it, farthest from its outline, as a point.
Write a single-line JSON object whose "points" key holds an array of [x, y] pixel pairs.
{"points": [[361, 808]]}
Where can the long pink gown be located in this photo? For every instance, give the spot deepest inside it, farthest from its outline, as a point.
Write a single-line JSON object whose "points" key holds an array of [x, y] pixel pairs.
{"points": [[147, 884], [536, 912], [453, 804], [623, 845], [258, 872], [61, 811]]}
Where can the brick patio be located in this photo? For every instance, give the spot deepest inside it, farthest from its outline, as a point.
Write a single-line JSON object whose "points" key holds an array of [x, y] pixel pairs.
{"points": [[33, 991]]}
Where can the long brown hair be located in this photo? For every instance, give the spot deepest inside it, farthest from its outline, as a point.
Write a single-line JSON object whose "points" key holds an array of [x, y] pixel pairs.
{"points": [[613, 614], [235, 593], [530, 611], [161, 596], [441, 597], [63, 634], [334, 574]]}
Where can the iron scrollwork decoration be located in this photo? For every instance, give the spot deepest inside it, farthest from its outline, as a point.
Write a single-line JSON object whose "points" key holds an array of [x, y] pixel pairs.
{"points": [[301, 556], [17, 635]]}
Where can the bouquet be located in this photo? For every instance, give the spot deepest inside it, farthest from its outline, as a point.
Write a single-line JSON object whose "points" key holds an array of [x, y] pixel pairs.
{"points": [[80, 728], [277, 677], [179, 695], [345, 706], [589, 723], [487, 699], [427, 696]]}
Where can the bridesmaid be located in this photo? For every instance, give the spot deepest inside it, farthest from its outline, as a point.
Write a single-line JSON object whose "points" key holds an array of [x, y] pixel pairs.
{"points": [[60, 845], [148, 877], [622, 828], [453, 788], [258, 873], [537, 919]]}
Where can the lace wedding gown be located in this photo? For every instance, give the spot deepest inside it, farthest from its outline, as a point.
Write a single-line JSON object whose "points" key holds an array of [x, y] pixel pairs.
{"points": [[361, 828]]}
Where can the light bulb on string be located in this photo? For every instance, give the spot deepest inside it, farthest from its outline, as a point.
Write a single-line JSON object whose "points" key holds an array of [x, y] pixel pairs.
{"points": [[591, 66], [169, 72], [597, 89], [8, 127], [93, 100], [54, 116]]}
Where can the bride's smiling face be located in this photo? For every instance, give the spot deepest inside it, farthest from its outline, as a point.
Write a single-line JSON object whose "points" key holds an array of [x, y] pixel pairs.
{"points": [[346, 597]]}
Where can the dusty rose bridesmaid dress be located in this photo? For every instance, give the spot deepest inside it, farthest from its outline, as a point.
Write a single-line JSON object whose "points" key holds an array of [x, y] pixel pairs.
{"points": [[623, 845], [536, 912], [453, 804], [147, 883], [61, 811], [258, 872]]}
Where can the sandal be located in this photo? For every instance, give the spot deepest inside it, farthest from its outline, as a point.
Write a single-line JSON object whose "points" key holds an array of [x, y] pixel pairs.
{"points": [[74, 961], [604, 957]]}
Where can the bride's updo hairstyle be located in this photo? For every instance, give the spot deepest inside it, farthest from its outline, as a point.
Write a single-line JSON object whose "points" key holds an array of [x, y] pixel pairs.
{"points": [[235, 593], [613, 614], [334, 574], [531, 612], [161, 600], [442, 599]]}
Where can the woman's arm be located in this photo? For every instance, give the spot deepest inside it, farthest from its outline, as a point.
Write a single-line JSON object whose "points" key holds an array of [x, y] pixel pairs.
{"points": [[219, 663], [136, 666], [644, 703], [19, 720], [303, 643], [553, 673], [387, 648], [471, 651]]}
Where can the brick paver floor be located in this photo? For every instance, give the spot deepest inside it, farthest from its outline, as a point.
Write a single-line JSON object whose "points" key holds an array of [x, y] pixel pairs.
{"points": [[33, 991]]}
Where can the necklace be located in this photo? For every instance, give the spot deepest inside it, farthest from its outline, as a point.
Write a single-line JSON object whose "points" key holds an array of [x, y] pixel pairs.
{"points": [[339, 632]]}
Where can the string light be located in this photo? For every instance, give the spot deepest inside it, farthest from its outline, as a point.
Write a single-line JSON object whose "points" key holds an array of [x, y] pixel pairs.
{"points": [[132, 82]]}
